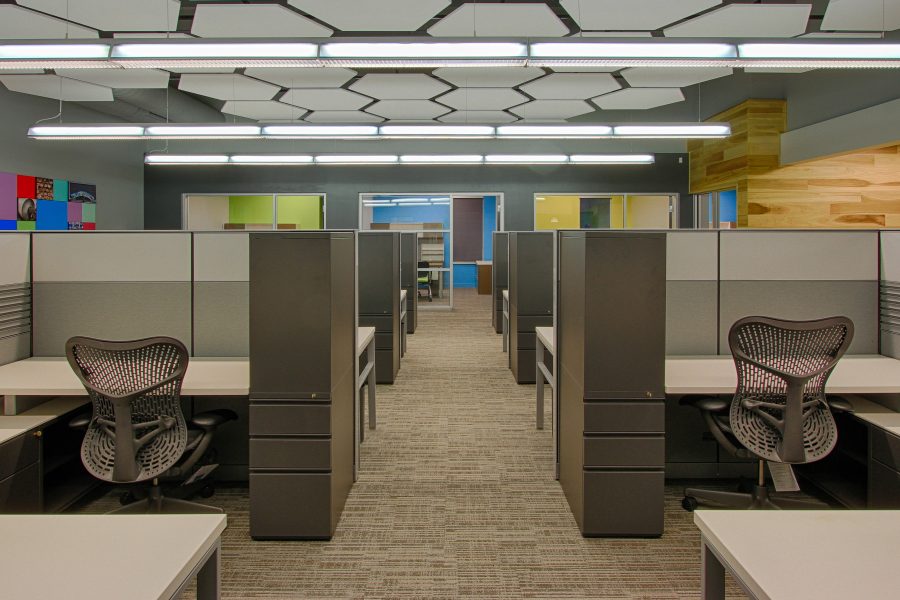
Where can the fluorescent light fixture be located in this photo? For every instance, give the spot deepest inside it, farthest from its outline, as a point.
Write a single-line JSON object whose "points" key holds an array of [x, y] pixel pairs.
{"points": [[408, 199], [316, 131], [199, 50], [53, 51], [178, 131], [423, 50], [548, 131], [272, 159], [612, 159], [626, 50], [185, 159], [526, 159], [84, 131], [821, 51], [416, 204], [356, 159], [437, 130], [441, 159], [679, 131]]}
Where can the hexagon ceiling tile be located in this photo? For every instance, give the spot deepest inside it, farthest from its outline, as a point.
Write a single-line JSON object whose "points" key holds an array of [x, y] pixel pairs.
{"points": [[17, 23], [672, 77], [639, 98], [58, 88], [482, 98], [227, 87], [114, 15], [119, 78], [488, 117], [138, 35], [263, 110], [579, 69], [746, 20], [300, 77], [253, 20], [202, 70], [488, 76], [405, 86], [408, 109], [622, 15], [862, 15], [325, 99], [571, 86], [372, 15], [342, 116], [514, 20], [552, 109]]}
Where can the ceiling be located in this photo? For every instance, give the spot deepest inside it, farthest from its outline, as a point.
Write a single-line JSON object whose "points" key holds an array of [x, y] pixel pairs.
{"points": [[450, 95]]}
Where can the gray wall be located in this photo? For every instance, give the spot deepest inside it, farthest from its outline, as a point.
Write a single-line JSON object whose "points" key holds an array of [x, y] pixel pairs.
{"points": [[116, 167]]}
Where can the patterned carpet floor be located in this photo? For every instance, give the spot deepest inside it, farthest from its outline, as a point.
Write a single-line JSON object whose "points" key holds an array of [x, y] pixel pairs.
{"points": [[456, 498]]}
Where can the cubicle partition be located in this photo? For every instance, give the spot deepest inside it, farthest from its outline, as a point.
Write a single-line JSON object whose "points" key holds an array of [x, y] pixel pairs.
{"points": [[500, 276], [379, 298], [15, 297], [530, 297], [409, 252], [889, 293], [221, 265]]}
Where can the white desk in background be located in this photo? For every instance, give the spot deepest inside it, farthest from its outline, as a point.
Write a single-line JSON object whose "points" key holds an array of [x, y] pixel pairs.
{"points": [[506, 323], [403, 318], [798, 554], [365, 350], [107, 557], [543, 342]]}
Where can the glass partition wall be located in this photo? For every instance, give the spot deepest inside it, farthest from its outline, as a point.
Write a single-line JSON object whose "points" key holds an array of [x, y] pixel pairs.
{"points": [[716, 210], [210, 212], [605, 211]]}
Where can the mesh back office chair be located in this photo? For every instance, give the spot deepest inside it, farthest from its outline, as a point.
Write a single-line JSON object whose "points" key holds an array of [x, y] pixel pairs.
{"points": [[423, 282], [779, 412], [137, 431]]}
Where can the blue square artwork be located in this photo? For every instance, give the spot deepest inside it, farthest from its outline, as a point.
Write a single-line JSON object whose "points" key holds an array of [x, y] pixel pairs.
{"points": [[52, 215]]}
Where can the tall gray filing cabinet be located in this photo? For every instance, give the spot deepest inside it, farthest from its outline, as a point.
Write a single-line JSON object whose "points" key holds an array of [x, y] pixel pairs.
{"points": [[409, 264], [501, 277], [530, 270], [610, 340], [302, 380], [379, 298]]}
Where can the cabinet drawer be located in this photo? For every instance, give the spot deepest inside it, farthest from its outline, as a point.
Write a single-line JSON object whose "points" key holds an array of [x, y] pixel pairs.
{"points": [[884, 486], [290, 454], [290, 419], [625, 417], [20, 493], [620, 451], [290, 505], [623, 503], [885, 447], [18, 453]]}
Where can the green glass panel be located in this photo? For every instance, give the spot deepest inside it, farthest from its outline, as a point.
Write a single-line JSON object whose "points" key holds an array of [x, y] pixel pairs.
{"points": [[305, 212], [250, 210]]}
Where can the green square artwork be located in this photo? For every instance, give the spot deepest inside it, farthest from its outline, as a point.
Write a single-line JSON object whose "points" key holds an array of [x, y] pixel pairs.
{"points": [[25, 225], [89, 213], [61, 190]]}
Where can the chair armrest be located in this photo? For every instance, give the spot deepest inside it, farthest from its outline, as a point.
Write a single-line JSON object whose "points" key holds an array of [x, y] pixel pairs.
{"points": [[838, 404], [211, 419], [80, 421]]}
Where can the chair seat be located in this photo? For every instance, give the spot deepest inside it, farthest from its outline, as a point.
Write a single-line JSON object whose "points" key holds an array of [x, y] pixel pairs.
{"points": [[193, 438], [706, 403], [213, 418]]}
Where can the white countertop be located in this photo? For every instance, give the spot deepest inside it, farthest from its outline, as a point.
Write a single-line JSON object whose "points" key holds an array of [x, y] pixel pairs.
{"points": [[364, 335], [797, 554], [402, 295], [546, 336], [99, 557], [506, 294]]}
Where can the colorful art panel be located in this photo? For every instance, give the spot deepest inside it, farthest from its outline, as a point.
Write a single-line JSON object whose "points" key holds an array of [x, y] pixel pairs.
{"points": [[73, 217], [51, 215], [89, 226], [82, 192], [9, 208], [7, 225], [25, 186], [43, 188], [89, 213], [25, 225], [60, 190], [26, 209]]}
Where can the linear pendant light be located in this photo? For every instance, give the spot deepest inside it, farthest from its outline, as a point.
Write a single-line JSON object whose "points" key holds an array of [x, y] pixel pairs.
{"points": [[186, 159], [237, 54], [441, 159], [272, 159], [421, 54], [437, 131], [54, 56], [320, 131], [623, 54], [203, 131], [554, 131], [406, 159]]}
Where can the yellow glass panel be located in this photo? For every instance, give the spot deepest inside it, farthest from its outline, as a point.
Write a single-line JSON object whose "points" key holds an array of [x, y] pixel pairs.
{"points": [[617, 212], [556, 212], [648, 212]]}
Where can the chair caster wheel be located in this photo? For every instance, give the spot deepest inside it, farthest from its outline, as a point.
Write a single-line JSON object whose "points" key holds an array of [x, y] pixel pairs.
{"points": [[689, 503], [127, 498], [207, 491]]}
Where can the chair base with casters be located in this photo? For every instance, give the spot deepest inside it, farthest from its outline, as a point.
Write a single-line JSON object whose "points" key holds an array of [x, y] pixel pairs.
{"points": [[157, 503]]}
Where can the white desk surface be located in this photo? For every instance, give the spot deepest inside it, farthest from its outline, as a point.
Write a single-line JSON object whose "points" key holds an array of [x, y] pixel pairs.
{"points": [[796, 554], [364, 335], [14, 425], [546, 336], [99, 557], [402, 295], [506, 295]]}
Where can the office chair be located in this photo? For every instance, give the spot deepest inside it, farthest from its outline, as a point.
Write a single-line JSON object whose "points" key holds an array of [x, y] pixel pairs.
{"points": [[423, 282], [779, 412], [137, 431]]}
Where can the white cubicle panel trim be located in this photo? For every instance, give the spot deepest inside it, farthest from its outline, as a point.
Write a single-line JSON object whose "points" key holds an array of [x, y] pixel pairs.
{"points": [[111, 257], [15, 268], [222, 256], [692, 255], [890, 256]]}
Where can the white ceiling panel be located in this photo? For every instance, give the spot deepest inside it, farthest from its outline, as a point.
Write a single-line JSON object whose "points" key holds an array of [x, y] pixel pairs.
{"points": [[746, 20], [227, 87], [325, 99], [862, 15], [482, 98], [399, 86], [341, 117], [622, 15], [775, 70], [139, 35], [639, 98], [17, 23], [488, 117], [119, 78], [408, 109], [615, 34], [263, 110], [301, 77], [113, 15], [372, 15], [514, 20], [488, 76], [58, 88], [539, 110], [253, 20], [202, 70], [672, 77], [581, 69], [571, 86]]}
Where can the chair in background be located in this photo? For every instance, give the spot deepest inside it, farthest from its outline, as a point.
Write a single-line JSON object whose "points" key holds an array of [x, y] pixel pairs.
{"points": [[137, 431], [423, 282], [779, 412]]}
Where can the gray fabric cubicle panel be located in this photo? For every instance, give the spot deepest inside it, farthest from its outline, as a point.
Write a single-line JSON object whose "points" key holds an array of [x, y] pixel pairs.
{"points": [[221, 294], [692, 304], [890, 293], [15, 297], [801, 275], [111, 286]]}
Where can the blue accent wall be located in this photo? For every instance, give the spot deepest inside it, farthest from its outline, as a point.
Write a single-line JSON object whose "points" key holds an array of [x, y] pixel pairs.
{"points": [[728, 206], [490, 225]]}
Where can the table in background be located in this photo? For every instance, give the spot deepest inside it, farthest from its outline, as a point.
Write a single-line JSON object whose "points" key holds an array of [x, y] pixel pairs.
{"points": [[365, 349], [543, 344], [403, 318], [485, 276]]}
